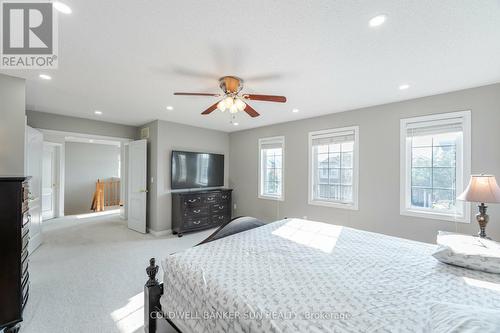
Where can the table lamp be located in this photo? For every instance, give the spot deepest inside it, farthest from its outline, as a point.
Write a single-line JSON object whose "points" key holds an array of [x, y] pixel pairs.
{"points": [[482, 189]]}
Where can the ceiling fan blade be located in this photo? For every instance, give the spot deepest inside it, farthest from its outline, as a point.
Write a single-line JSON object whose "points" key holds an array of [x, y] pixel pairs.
{"points": [[251, 111], [267, 98], [210, 109], [195, 94]]}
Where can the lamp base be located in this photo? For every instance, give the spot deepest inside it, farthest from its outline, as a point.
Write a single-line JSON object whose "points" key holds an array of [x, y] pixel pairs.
{"points": [[482, 219]]}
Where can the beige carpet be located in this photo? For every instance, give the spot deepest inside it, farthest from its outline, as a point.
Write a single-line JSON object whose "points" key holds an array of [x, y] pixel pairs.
{"points": [[89, 273]]}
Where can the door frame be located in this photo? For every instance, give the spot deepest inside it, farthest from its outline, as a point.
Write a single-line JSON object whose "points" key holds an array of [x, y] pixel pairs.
{"points": [[58, 178], [56, 137]]}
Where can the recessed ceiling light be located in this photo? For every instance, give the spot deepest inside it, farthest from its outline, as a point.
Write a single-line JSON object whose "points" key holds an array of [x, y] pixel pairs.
{"points": [[404, 86], [45, 77], [377, 20], [98, 113], [170, 108], [63, 8], [295, 110], [236, 124]]}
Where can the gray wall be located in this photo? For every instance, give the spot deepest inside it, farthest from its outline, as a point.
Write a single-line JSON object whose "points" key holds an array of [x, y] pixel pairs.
{"points": [[57, 122], [12, 125], [379, 164], [85, 163], [165, 137]]}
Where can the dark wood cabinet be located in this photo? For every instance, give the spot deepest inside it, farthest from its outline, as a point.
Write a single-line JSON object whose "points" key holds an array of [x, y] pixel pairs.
{"points": [[14, 238], [192, 211]]}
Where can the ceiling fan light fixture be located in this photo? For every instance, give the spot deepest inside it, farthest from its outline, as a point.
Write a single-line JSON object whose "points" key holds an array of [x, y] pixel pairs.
{"points": [[229, 102], [233, 109], [239, 104], [221, 105]]}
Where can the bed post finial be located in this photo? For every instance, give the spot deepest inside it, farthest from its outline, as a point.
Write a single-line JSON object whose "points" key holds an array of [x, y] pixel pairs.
{"points": [[152, 270]]}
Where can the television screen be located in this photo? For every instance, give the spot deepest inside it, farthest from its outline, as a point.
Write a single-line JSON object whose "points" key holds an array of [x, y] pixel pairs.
{"points": [[195, 170]]}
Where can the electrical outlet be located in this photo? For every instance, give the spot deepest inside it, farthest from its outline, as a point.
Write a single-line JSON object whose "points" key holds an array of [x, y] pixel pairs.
{"points": [[152, 180], [234, 206]]}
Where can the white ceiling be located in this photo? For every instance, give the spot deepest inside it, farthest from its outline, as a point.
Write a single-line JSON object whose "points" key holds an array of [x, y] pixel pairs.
{"points": [[126, 58]]}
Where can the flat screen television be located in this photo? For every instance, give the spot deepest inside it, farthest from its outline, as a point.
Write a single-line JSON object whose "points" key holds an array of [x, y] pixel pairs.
{"points": [[196, 170]]}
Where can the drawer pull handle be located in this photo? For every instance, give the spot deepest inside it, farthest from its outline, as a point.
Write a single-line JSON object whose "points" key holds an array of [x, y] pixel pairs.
{"points": [[221, 207], [192, 200], [196, 211], [197, 222]]}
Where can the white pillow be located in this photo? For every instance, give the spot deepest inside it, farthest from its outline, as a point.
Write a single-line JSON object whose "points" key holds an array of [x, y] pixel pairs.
{"points": [[468, 251]]}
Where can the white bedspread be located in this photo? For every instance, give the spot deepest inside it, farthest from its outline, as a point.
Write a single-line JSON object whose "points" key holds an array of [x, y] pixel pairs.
{"points": [[302, 276]]}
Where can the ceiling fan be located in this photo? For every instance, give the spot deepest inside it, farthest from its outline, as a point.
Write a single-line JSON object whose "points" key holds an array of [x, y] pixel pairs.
{"points": [[233, 100]]}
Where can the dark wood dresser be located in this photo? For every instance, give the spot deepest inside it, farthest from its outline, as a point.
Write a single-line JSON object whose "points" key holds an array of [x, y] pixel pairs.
{"points": [[198, 210], [14, 237]]}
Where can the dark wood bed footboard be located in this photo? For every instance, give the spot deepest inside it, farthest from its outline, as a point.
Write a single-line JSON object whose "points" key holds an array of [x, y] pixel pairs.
{"points": [[154, 318]]}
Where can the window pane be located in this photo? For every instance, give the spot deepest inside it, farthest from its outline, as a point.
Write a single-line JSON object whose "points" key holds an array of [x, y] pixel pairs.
{"points": [[277, 161], [334, 160], [346, 176], [334, 148], [333, 172], [347, 160], [347, 193], [335, 192], [421, 157], [421, 141], [421, 197], [270, 162], [444, 177], [323, 191], [443, 199], [334, 176], [446, 139], [323, 149], [421, 177], [348, 146], [323, 161], [444, 156]]}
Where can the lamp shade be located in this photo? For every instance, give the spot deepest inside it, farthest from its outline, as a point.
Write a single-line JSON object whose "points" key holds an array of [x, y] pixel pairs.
{"points": [[481, 188]]}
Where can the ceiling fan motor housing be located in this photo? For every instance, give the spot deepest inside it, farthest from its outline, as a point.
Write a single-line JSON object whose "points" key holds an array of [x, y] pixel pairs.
{"points": [[231, 85]]}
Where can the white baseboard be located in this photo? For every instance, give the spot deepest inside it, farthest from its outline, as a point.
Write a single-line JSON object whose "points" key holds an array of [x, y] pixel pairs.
{"points": [[160, 233]]}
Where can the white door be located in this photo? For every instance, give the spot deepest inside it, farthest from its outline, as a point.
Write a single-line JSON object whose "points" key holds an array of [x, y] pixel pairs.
{"points": [[137, 189], [34, 155], [49, 182]]}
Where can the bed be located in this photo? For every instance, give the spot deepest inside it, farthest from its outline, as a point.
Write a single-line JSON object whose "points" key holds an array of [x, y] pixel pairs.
{"points": [[303, 276]]}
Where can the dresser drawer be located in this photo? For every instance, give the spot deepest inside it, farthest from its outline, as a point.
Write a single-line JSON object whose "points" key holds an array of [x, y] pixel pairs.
{"points": [[220, 218], [196, 211], [212, 197], [219, 208], [191, 201], [196, 223], [225, 197]]}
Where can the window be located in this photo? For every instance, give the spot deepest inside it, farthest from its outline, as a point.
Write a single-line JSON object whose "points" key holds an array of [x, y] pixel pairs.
{"points": [[333, 168], [271, 168], [435, 165]]}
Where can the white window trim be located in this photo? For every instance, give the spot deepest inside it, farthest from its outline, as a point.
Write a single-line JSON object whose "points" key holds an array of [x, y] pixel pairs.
{"points": [[405, 162], [355, 173], [280, 139]]}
